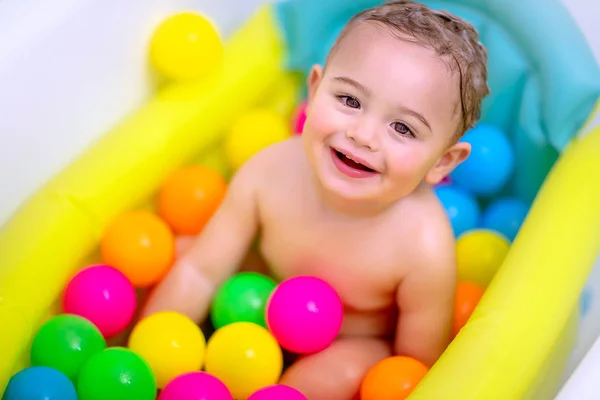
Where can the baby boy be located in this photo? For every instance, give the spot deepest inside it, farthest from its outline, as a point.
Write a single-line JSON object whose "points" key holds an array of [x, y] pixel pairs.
{"points": [[351, 199]]}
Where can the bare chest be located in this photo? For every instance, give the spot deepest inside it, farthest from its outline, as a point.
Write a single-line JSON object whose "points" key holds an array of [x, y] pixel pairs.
{"points": [[358, 262]]}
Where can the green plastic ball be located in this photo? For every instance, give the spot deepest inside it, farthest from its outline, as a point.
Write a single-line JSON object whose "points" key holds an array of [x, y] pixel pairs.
{"points": [[242, 298], [65, 343], [117, 373]]}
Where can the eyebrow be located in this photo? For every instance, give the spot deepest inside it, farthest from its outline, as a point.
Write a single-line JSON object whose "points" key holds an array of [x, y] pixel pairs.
{"points": [[352, 82], [416, 115], [363, 89]]}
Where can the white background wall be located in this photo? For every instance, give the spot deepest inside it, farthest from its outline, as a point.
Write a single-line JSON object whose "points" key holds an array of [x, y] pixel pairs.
{"points": [[70, 69]]}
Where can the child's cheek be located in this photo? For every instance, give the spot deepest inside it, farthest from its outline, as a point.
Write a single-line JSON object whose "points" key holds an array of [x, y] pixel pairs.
{"points": [[326, 118], [320, 121], [403, 164]]}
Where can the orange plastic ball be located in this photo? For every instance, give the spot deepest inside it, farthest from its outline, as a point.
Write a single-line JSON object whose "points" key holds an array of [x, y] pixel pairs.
{"points": [[467, 297], [189, 198], [140, 245], [392, 378]]}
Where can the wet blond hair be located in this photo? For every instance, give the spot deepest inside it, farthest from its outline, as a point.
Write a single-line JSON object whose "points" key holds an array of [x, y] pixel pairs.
{"points": [[446, 34]]}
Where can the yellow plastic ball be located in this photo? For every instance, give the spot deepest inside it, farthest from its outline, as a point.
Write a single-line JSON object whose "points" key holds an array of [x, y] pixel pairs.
{"points": [[480, 253], [186, 45], [245, 357], [252, 132], [171, 343]]}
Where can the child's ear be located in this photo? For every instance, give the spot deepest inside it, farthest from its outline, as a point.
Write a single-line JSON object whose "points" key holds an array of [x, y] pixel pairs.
{"points": [[454, 155], [313, 80]]}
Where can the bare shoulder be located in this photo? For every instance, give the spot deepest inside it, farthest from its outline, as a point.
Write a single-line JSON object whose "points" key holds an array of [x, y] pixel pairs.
{"points": [[258, 171], [282, 155], [432, 241], [275, 157]]}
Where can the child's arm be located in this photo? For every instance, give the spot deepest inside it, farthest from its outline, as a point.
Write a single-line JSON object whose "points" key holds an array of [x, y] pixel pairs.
{"points": [[426, 303], [216, 254]]}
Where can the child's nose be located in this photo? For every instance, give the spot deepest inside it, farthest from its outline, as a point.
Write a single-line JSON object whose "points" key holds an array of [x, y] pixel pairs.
{"points": [[364, 135]]}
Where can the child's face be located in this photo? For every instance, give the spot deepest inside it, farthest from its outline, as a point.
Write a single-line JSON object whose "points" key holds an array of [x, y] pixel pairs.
{"points": [[388, 104]]}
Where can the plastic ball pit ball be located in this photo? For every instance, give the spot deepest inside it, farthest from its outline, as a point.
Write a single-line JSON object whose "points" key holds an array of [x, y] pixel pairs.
{"points": [[467, 297], [116, 374], [195, 386], [304, 314], [65, 343], [245, 357], [393, 378], [243, 297], [490, 163], [141, 245], [185, 46], [479, 255], [461, 207], [40, 382], [252, 132], [189, 197], [171, 343], [505, 216], [277, 392], [103, 295]]}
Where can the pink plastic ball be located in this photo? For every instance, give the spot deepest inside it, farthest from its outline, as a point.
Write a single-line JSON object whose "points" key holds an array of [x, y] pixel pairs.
{"points": [[277, 392], [300, 118], [103, 295], [197, 385], [304, 314]]}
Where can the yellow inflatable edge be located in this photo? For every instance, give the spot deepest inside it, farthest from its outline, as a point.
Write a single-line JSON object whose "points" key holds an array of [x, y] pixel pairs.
{"points": [[517, 341], [54, 232]]}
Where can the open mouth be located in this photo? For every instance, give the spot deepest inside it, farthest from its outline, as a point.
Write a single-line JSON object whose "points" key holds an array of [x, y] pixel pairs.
{"points": [[351, 167], [351, 163]]}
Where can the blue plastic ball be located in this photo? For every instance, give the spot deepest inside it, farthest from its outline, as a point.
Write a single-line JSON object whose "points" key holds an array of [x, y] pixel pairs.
{"points": [[505, 216], [40, 383], [491, 162], [461, 207]]}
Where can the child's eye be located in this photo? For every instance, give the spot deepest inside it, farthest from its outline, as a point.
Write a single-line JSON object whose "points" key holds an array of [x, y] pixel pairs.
{"points": [[349, 101], [402, 128]]}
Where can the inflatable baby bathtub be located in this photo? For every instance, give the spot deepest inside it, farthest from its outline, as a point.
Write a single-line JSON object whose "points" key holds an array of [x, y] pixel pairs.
{"points": [[545, 85]]}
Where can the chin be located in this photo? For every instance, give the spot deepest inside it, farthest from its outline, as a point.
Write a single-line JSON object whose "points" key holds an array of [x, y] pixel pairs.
{"points": [[363, 192], [350, 191]]}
